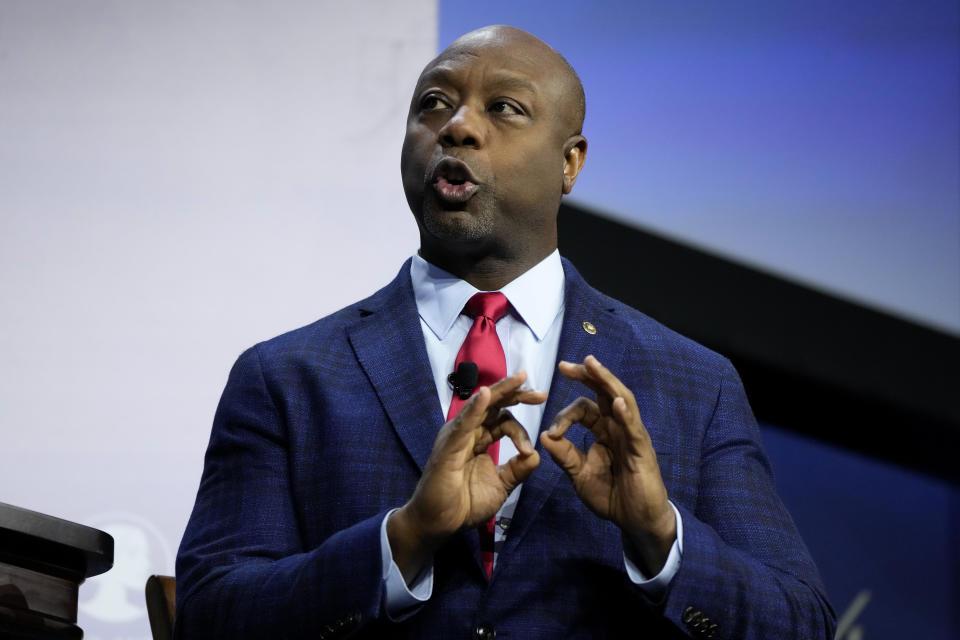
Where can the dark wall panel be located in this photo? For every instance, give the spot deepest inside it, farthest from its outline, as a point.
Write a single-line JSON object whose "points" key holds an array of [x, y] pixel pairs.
{"points": [[811, 362]]}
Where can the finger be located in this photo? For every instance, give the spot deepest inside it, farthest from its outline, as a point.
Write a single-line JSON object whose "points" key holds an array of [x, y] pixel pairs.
{"points": [[582, 410], [493, 415], [508, 392], [498, 413], [471, 416], [630, 419], [567, 456], [482, 441], [489, 431], [503, 424], [607, 381], [609, 388], [597, 377], [508, 426], [523, 396], [517, 469], [506, 386], [579, 373]]}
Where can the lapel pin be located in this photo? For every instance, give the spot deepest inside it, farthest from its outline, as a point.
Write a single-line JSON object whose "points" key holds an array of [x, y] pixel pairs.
{"points": [[589, 328]]}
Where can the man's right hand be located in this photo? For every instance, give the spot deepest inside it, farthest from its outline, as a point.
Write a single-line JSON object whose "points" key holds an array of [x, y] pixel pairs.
{"points": [[461, 486]]}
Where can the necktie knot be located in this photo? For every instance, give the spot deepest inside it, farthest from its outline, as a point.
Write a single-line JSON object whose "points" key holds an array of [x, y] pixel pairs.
{"points": [[491, 304]]}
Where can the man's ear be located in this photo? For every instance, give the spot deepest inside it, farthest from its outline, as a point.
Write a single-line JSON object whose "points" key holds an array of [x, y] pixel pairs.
{"points": [[574, 155]]}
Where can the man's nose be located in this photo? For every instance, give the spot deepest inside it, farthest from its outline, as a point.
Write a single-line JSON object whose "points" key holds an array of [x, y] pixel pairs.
{"points": [[463, 129]]}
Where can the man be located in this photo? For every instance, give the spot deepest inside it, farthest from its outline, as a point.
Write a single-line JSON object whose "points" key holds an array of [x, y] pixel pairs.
{"points": [[333, 502]]}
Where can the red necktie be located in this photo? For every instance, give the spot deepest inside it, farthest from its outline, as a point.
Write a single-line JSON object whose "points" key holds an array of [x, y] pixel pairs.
{"points": [[483, 347]]}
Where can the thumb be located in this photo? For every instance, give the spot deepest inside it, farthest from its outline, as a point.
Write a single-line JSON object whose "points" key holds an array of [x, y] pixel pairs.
{"points": [[564, 453], [517, 469]]}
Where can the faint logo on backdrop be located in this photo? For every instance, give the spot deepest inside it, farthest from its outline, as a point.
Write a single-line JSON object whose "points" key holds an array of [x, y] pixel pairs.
{"points": [[112, 605], [847, 626]]}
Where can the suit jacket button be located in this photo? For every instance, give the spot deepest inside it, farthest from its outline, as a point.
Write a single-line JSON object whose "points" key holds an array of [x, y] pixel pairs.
{"points": [[484, 632]]}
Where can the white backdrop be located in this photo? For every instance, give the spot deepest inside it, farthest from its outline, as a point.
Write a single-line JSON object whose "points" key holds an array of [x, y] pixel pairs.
{"points": [[178, 181]]}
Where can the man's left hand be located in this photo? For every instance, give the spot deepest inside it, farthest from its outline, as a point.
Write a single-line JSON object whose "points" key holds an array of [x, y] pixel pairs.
{"points": [[618, 478]]}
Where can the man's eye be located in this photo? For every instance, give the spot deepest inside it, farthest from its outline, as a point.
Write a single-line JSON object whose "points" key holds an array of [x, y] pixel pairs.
{"points": [[506, 108], [432, 103]]}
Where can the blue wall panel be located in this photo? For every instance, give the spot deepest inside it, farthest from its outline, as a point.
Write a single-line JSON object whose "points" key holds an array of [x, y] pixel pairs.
{"points": [[820, 140], [874, 528]]}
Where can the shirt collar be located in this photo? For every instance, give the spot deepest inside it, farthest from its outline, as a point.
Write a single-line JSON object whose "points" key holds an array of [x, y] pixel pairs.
{"points": [[536, 295]]}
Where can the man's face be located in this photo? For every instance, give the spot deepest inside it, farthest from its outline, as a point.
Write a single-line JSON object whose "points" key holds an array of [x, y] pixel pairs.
{"points": [[483, 157]]}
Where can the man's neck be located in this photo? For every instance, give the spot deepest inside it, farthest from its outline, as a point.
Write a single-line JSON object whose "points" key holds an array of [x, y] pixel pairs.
{"points": [[487, 273]]}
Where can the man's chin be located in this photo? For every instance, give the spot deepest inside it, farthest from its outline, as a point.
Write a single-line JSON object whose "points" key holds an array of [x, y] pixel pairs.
{"points": [[457, 225]]}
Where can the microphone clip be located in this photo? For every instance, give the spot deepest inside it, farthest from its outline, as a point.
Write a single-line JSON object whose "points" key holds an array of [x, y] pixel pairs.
{"points": [[464, 379]]}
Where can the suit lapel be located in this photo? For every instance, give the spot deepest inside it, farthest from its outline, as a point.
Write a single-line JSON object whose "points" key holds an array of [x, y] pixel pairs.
{"points": [[582, 305], [388, 343]]}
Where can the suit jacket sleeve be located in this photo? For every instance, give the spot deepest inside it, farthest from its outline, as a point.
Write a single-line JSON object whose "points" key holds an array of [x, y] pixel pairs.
{"points": [[242, 553], [746, 572]]}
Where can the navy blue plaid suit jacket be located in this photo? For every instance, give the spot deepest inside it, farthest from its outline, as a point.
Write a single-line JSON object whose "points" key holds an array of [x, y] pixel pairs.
{"points": [[324, 429]]}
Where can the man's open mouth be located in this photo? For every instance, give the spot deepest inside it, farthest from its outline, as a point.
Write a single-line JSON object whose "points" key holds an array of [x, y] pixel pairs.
{"points": [[455, 190], [453, 181]]}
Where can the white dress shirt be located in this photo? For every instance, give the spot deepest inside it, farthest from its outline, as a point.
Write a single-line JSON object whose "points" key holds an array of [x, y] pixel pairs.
{"points": [[530, 335]]}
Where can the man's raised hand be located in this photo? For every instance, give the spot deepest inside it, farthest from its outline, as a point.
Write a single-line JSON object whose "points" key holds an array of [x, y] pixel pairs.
{"points": [[460, 486], [618, 478]]}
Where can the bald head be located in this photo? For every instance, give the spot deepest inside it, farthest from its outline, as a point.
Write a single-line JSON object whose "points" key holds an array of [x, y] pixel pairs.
{"points": [[572, 105]]}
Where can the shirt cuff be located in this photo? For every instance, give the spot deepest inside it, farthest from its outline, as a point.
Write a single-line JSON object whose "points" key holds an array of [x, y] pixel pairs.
{"points": [[656, 586], [401, 599]]}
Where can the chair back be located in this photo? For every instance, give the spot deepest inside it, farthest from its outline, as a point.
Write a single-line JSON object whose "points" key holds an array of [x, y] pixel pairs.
{"points": [[161, 592]]}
